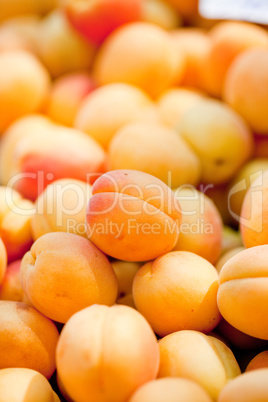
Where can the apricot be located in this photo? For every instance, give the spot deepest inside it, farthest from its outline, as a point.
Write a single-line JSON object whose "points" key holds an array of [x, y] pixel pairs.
{"points": [[259, 361], [248, 387], [66, 96], [19, 33], [132, 215], [245, 80], [177, 291], [201, 225], [125, 272], [186, 8], [13, 8], [195, 43], [254, 218], [64, 273], [155, 149], [27, 338], [95, 21], [170, 389], [219, 195], [106, 353], [140, 54], [60, 48], [228, 40], [110, 107], [30, 386], [160, 13], [220, 138], [61, 207], [21, 69], [238, 339], [11, 288], [241, 183], [31, 159], [198, 357], [15, 217], [3, 261], [231, 239], [226, 256], [126, 300], [175, 102], [242, 294]]}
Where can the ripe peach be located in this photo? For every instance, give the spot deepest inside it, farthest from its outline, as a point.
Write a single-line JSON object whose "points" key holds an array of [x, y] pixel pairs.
{"points": [[30, 386], [175, 102], [20, 68], [244, 84], [60, 48], [228, 40], [195, 43], [11, 288], [242, 294], [61, 207], [220, 138], [155, 149], [106, 353], [177, 291], [248, 387], [27, 338], [66, 96], [31, 159], [13, 8], [110, 107], [254, 217], [140, 54], [63, 258], [125, 272], [226, 256], [96, 20], [238, 339], [3, 260], [198, 357], [259, 361], [241, 183], [15, 217], [160, 13], [201, 225], [171, 390], [132, 215]]}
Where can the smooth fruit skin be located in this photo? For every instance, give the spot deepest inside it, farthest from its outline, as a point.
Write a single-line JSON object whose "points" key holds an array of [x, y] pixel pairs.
{"points": [[28, 339], [242, 295], [198, 357], [248, 387], [177, 291], [64, 273], [259, 361], [30, 386], [107, 353], [172, 390], [132, 215]]}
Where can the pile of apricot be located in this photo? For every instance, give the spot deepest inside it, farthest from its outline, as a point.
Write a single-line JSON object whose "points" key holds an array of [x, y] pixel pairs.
{"points": [[133, 203]]}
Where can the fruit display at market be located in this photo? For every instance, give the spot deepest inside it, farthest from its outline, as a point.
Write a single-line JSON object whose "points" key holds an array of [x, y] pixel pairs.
{"points": [[133, 202]]}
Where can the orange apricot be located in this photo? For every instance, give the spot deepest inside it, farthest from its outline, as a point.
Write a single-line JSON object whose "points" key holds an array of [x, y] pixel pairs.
{"points": [[201, 225], [125, 272], [132, 215], [242, 295], [198, 357], [20, 68], [27, 338], [64, 273], [3, 260], [245, 80], [61, 207], [177, 291], [226, 256], [172, 390], [11, 288], [106, 353], [140, 54], [155, 149], [13, 8], [259, 361], [109, 108]]}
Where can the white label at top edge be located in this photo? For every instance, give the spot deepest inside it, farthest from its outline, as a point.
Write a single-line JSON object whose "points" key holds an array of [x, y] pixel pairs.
{"points": [[245, 10]]}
